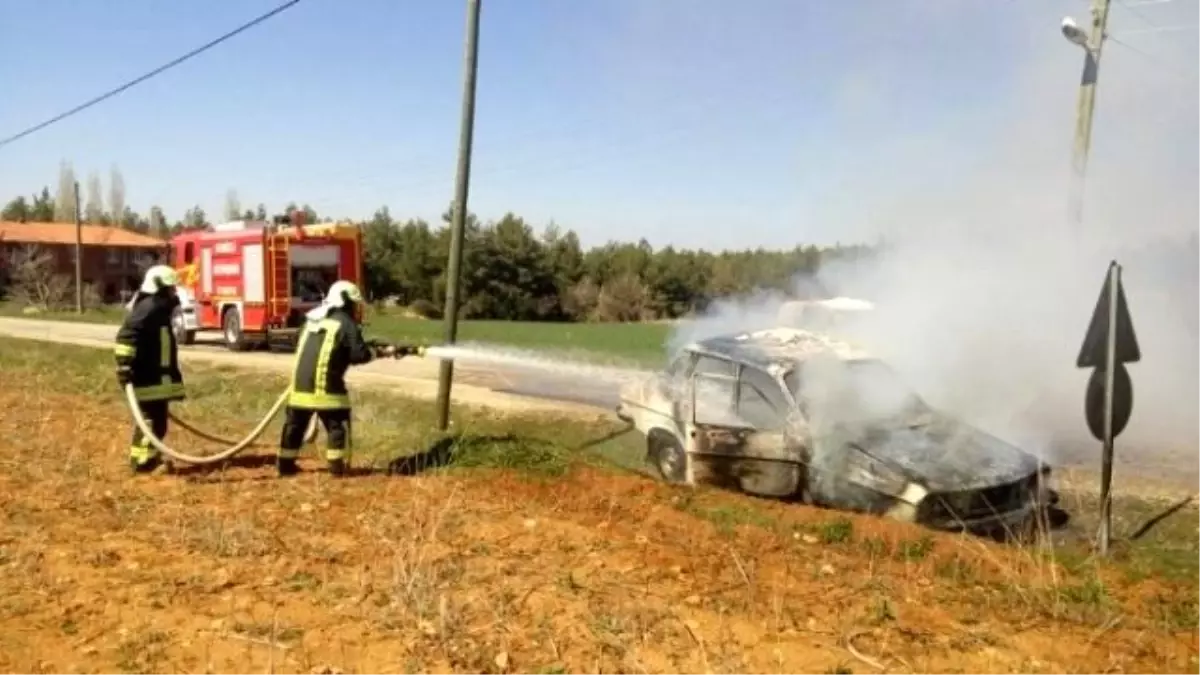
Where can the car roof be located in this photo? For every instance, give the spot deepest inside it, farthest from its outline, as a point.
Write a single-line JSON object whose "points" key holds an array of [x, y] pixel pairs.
{"points": [[777, 348]]}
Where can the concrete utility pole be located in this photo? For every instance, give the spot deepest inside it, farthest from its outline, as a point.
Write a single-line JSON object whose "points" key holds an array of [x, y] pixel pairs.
{"points": [[78, 255], [459, 215], [1092, 44]]}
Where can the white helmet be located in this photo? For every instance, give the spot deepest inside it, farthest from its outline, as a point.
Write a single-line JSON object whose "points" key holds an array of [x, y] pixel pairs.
{"points": [[341, 292], [158, 277]]}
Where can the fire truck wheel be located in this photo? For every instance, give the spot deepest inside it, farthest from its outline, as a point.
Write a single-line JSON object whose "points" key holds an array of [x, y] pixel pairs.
{"points": [[231, 326], [182, 335]]}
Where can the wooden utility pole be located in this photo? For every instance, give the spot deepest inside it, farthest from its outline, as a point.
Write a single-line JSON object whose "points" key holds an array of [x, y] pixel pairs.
{"points": [[1086, 107], [78, 254], [459, 215]]}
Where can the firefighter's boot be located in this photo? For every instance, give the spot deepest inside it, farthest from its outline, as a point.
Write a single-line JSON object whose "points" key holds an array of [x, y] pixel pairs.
{"points": [[144, 464], [287, 466], [337, 467]]}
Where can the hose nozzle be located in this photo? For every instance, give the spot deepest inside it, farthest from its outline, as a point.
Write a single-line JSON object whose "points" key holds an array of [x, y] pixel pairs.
{"points": [[395, 350]]}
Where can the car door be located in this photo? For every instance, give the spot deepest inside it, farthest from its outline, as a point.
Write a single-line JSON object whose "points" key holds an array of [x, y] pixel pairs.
{"points": [[707, 403], [738, 432], [675, 380]]}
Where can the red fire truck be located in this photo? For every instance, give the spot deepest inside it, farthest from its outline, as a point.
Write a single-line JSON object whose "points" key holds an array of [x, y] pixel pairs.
{"points": [[254, 280]]}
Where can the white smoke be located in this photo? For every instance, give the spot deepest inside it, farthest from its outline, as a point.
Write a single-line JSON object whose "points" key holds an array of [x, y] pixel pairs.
{"points": [[985, 291]]}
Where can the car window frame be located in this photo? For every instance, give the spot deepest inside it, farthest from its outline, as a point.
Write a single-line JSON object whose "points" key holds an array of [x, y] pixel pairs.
{"points": [[700, 357], [735, 379], [794, 374], [681, 366], [693, 375], [713, 378], [782, 413]]}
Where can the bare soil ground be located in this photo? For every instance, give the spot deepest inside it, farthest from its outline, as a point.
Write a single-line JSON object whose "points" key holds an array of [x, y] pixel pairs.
{"points": [[532, 552]]}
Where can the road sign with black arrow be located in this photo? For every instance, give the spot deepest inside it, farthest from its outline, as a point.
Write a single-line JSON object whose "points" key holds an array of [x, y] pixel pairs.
{"points": [[1110, 343]]}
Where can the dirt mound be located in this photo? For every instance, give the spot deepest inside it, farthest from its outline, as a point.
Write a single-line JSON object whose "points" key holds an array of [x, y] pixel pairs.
{"points": [[236, 571]]}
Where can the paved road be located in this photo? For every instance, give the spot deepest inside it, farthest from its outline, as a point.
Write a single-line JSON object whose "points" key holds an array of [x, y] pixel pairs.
{"points": [[486, 384]]}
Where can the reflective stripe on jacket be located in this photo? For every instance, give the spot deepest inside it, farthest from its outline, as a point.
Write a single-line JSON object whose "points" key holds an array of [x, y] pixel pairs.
{"points": [[325, 351], [146, 344]]}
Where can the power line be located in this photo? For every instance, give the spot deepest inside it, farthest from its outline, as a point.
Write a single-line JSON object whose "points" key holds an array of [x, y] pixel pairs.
{"points": [[1131, 48], [1154, 59], [1159, 29], [105, 96], [1131, 7], [1153, 27]]}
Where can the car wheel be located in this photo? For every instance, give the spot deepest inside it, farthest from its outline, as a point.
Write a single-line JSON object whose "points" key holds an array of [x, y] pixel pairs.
{"points": [[667, 457], [231, 326], [1051, 515], [1057, 517], [183, 336]]}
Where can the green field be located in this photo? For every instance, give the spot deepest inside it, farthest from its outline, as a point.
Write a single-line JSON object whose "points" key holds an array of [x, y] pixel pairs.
{"points": [[104, 314], [639, 343], [629, 343]]}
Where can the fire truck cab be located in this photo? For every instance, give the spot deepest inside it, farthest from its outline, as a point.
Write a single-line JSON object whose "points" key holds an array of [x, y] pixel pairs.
{"points": [[254, 280]]}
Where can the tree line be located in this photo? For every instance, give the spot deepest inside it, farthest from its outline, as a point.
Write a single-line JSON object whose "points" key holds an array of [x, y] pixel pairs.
{"points": [[510, 270], [94, 208]]}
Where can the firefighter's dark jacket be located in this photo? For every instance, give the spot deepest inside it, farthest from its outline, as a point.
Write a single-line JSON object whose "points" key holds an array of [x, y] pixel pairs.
{"points": [[325, 351], [146, 344]]}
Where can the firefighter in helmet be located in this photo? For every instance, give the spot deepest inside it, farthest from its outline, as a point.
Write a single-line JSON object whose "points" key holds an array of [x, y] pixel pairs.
{"points": [[330, 342], [148, 358]]}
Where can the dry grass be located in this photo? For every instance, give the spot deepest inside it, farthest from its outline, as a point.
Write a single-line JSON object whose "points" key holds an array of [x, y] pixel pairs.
{"points": [[529, 553]]}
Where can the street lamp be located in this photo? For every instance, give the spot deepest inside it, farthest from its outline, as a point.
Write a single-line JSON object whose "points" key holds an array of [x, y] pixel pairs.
{"points": [[1074, 33], [1092, 43]]}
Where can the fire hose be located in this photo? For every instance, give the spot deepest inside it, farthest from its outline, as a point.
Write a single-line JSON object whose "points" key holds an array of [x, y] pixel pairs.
{"points": [[140, 420], [309, 435], [234, 447]]}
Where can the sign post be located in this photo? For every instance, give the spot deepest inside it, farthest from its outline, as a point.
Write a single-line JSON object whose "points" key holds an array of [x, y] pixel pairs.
{"points": [[1110, 343]]}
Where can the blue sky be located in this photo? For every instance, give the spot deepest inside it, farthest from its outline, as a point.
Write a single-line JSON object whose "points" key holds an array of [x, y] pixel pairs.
{"points": [[703, 122]]}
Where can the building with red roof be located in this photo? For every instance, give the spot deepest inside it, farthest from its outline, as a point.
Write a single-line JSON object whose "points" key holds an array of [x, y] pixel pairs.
{"points": [[113, 258]]}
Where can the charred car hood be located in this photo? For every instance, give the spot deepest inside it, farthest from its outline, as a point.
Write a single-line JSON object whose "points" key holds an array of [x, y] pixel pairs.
{"points": [[948, 456]]}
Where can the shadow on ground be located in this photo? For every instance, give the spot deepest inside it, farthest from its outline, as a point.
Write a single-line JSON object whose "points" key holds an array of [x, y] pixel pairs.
{"points": [[494, 450], [444, 451], [500, 451], [246, 461]]}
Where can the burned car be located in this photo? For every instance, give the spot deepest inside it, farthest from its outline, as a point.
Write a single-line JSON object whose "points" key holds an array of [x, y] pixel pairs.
{"points": [[797, 414]]}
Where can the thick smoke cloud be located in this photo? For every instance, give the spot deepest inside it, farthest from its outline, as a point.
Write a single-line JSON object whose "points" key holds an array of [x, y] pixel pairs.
{"points": [[985, 290]]}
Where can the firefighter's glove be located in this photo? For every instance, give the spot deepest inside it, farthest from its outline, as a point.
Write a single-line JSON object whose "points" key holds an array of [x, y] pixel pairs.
{"points": [[124, 374]]}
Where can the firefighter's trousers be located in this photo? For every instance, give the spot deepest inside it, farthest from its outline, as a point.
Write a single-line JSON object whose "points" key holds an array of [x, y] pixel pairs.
{"points": [[337, 430], [141, 452]]}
